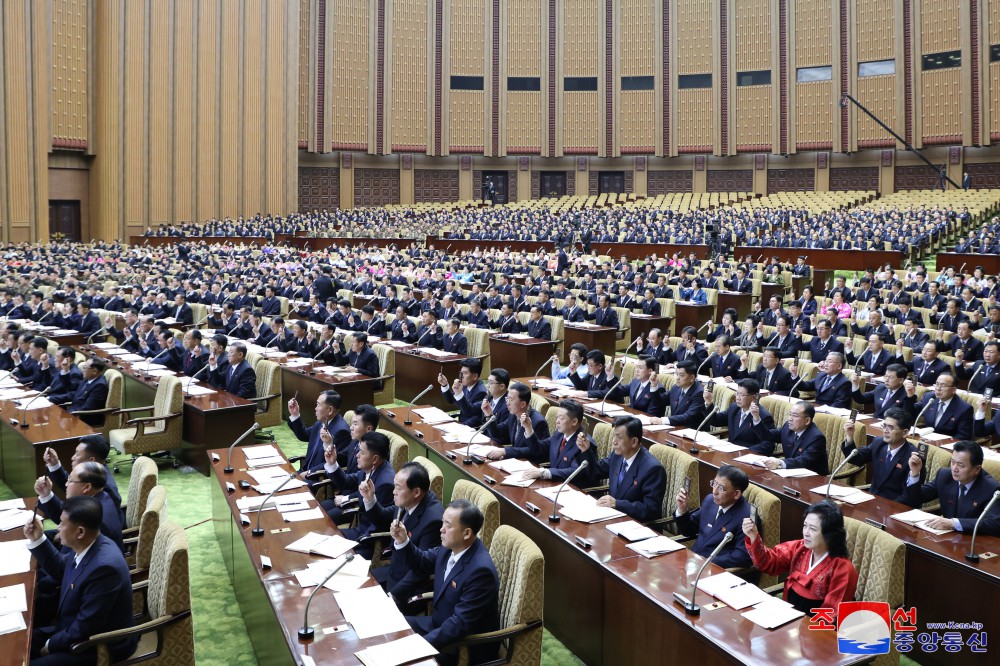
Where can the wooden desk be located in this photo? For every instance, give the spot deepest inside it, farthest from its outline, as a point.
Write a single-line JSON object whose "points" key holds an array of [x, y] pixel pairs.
{"points": [[17, 645], [935, 565], [604, 338], [742, 303], [689, 314], [769, 289], [414, 372], [519, 357], [209, 420], [21, 449], [271, 601], [308, 384], [642, 324], [611, 606]]}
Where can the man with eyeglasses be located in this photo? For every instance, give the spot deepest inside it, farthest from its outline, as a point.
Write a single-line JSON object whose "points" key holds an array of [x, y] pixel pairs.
{"points": [[831, 386], [888, 455], [495, 402], [787, 344], [875, 359], [823, 342], [511, 432], [802, 443], [895, 392], [948, 415], [986, 372], [928, 367], [722, 511]]}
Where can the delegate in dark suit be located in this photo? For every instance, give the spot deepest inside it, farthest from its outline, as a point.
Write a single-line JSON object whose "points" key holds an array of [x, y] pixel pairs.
{"points": [[741, 430], [383, 477], [507, 431], [469, 403], [888, 473], [423, 525], [712, 528], [884, 399], [455, 344], [562, 453], [540, 329], [641, 397], [111, 520], [987, 376], [805, 450], [728, 366], [968, 509], [639, 490], [596, 386], [63, 386], [687, 407], [241, 380], [466, 601], [833, 391], [956, 421], [95, 596], [365, 361], [818, 348], [90, 395], [313, 459], [780, 380]]}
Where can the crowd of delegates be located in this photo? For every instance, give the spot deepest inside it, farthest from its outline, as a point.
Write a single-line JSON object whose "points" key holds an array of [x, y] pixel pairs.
{"points": [[983, 240]]}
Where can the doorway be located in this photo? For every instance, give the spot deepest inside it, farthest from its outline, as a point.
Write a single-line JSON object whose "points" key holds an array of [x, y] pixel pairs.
{"points": [[610, 182], [64, 220], [552, 184], [495, 186]]}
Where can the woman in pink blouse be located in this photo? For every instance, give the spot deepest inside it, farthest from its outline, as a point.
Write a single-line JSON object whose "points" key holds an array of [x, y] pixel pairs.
{"points": [[820, 571], [843, 309]]}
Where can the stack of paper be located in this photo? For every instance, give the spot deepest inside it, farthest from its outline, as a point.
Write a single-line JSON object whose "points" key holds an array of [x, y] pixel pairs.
{"points": [[13, 518], [511, 465], [918, 518], [772, 613], [327, 545], [15, 558], [569, 496], [351, 577], [403, 651], [751, 459], [631, 530], [105, 345], [36, 403], [430, 351], [794, 473], [295, 513], [432, 415], [593, 513], [254, 503], [659, 545], [13, 603], [265, 474], [269, 486], [847, 494], [371, 612], [480, 450], [732, 590], [518, 480]]}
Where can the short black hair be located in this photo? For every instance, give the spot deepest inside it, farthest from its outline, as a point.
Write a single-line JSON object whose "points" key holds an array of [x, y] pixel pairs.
{"points": [[736, 476], [369, 415], [96, 445], [469, 514], [751, 386], [597, 356], [85, 511], [331, 398], [573, 409], [377, 443], [522, 391], [688, 366], [416, 476], [474, 365], [500, 376], [633, 426], [901, 416], [974, 450]]}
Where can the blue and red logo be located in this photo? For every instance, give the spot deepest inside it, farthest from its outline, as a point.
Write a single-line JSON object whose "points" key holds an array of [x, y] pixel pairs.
{"points": [[863, 627]]}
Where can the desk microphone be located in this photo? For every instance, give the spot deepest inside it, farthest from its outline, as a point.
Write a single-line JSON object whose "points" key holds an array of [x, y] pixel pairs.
{"points": [[698, 371], [608, 392], [93, 334], [163, 351], [24, 410], [534, 382], [694, 440], [554, 518], [468, 451], [229, 453], [913, 428], [839, 467], [971, 556], [690, 607], [259, 531], [974, 374], [187, 393], [47, 314], [407, 421], [795, 386], [305, 631]]}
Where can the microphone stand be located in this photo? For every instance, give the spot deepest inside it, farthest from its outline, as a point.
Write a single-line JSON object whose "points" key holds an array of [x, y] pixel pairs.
{"points": [[839, 467], [975, 374], [187, 386], [259, 531], [694, 440], [407, 421], [971, 556], [600, 412], [228, 469], [24, 410], [150, 361], [93, 334], [305, 631], [913, 428], [554, 518], [534, 382], [795, 386], [690, 607], [698, 371], [468, 450]]}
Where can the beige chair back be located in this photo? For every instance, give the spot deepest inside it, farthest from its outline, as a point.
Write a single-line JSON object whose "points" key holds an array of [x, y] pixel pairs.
{"points": [[769, 518], [679, 466], [268, 386], [387, 365], [487, 503], [434, 472], [521, 569], [154, 516], [880, 560], [604, 438], [399, 450], [145, 476]]}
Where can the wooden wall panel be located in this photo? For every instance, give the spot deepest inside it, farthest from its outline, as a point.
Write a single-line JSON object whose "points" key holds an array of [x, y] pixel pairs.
{"points": [[305, 91], [984, 175], [584, 31], [814, 108], [231, 110], [107, 212], [207, 164], [753, 118], [665, 182], [941, 105], [185, 83], [70, 59], [524, 116], [467, 108], [376, 187], [753, 35], [694, 119], [876, 25], [136, 117], [854, 178], [437, 185], [791, 180], [254, 52], [409, 120], [736, 180], [465, 120], [636, 122], [160, 74], [940, 25], [347, 101], [993, 34], [813, 34], [319, 188], [878, 93], [995, 99], [920, 177], [694, 37]]}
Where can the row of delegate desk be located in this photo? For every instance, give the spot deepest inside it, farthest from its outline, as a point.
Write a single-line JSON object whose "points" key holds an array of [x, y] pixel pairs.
{"points": [[270, 599], [940, 583], [15, 646], [609, 605]]}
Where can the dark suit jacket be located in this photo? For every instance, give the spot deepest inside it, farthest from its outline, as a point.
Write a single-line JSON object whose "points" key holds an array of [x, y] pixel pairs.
{"points": [[987, 377], [596, 386], [711, 529], [888, 481], [383, 478], [63, 387], [945, 488], [789, 347], [94, 597], [836, 394], [781, 379], [640, 492], [745, 435], [606, 317], [93, 395], [470, 405], [60, 476], [546, 449], [653, 403], [242, 382], [971, 348], [575, 315], [873, 365], [428, 336], [728, 368], [807, 451], [926, 373], [540, 329], [313, 459], [465, 602], [957, 419], [687, 409], [111, 521], [423, 525], [878, 398], [507, 431], [457, 344]]}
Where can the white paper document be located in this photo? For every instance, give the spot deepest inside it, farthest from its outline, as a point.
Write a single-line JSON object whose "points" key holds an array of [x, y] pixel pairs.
{"points": [[732, 590], [262, 451], [751, 459], [919, 518], [569, 495], [197, 389], [475, 450], [271, 485], [772, 613], [432, 415], [511, 465], [248, 504], [15, 558], [265, 474], [518, 479], [16, 503], [630, 530], [371, 612], [660, 545], [12, 622], [411, 648], [13, 599], [593, 513], [314, 513], [794, 473], [332, 545], [10, 520]]}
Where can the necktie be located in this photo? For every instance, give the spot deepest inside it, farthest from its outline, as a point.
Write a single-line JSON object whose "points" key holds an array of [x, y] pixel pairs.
{"points": [[767, 380], [937, 420], [962, 492], [562, 445], [888, 396], [621, 472], [743, 418], [717, 516], [826, 384], [448, 567]]}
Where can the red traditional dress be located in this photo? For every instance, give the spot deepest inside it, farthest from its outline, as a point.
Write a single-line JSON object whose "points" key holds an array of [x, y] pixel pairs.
{"points": [[832, 580]]}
